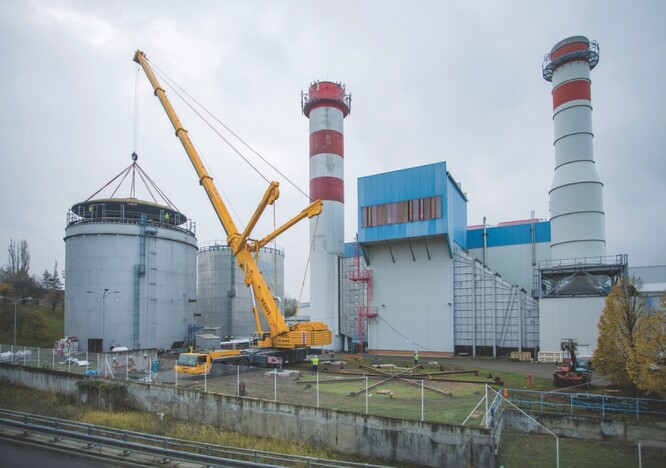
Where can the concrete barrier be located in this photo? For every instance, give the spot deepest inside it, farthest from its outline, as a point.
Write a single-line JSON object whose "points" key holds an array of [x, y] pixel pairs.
{"points": [[651, 434], [393, 439]]}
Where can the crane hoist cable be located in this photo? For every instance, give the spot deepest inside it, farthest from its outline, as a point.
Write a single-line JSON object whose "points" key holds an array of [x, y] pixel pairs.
{"points": [[228, 199], [307, 263], [135, 135], [174, 85]]}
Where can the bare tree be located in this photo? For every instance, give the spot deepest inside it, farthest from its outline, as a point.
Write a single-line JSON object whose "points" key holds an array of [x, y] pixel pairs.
{"points": [[290, 306], [17, 271], [53, 287]]}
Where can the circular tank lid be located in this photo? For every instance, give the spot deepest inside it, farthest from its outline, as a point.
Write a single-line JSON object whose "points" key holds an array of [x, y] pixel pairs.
{"points": [[129, 208]]}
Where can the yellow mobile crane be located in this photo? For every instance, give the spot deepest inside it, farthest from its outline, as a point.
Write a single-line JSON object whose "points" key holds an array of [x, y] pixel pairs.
{"points": [[288, 342]]}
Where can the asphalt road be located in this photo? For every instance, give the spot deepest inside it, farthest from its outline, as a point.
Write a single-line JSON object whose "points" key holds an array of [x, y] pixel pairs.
{"points": [[15, 454]]}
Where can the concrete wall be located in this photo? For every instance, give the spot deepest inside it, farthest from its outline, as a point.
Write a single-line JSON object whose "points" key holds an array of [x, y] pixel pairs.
{"points": [[422, 443], [651, 434]]}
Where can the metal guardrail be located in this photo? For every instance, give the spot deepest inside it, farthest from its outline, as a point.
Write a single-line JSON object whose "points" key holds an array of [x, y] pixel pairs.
{"points": [[570, 403], [165, 448]]}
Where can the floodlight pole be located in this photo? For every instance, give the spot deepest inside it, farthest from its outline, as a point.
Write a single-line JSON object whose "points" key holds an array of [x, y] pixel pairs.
{"points": [[103, 295]]}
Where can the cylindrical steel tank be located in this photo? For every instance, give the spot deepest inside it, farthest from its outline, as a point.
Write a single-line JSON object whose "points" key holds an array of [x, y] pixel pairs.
{"points": [[130, 268], [576, 197], [326, 105], [223, 299]]}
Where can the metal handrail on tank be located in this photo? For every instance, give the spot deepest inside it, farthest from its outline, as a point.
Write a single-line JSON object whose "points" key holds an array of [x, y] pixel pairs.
{"points": [[130, 217], [222, 245]]}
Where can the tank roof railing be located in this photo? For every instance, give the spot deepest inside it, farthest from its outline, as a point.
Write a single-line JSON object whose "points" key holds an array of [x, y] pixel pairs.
{"points": [[222, 245], [131, 217]]}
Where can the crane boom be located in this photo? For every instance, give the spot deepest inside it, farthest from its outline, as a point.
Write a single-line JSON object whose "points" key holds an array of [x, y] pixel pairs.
{"points": [[280, 334]]}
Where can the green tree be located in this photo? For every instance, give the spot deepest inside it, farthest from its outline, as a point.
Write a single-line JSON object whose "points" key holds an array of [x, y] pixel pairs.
{"points": [[33, 323], [648, 367], [6, 307], [619, 327]]}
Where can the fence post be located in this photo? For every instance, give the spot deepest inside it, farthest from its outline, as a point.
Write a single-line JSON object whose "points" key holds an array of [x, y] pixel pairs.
{"points": [[422, 402], [640, 458], [637, 410], [366, 394]]}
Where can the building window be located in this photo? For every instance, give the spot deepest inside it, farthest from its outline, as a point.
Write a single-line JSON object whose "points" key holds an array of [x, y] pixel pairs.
{"points": [[407, 211]]}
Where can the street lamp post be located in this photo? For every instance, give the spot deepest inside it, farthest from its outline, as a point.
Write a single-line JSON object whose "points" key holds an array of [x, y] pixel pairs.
{"points": [[103, 295], [16, 303]]}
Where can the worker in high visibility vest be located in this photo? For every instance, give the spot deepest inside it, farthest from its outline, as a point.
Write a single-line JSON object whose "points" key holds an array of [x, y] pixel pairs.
{"points": [[416, 358], [315, 364]]}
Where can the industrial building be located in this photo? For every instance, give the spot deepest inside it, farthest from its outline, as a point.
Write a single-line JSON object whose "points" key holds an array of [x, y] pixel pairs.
{"points": [[412, 282], [416, 278]]}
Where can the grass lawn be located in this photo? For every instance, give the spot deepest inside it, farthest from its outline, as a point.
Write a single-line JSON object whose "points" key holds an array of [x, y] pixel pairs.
{"points": [[540, 452]]}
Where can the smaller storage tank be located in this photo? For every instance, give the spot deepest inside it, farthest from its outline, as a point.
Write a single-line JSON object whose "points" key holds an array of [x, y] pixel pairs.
{"points": [[223, 299]]}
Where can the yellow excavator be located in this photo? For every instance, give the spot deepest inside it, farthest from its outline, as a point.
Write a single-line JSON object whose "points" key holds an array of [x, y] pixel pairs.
{"points": [[281, 340]]}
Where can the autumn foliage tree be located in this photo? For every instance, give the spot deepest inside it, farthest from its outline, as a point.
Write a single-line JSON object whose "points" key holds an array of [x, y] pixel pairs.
{"points": [[631, 346], [619, 327], [648, 366]]}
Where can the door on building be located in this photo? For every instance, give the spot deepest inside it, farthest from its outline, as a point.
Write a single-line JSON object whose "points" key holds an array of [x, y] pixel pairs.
{"points": [[94, 345]]}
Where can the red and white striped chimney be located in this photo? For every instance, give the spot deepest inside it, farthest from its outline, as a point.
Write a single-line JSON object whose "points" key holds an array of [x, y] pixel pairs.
{"points": [[577, 219], [326, 105]]}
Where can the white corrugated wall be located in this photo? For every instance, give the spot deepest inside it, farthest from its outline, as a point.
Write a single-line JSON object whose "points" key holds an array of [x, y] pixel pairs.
{"points": [[570, 317], [413, 294]]}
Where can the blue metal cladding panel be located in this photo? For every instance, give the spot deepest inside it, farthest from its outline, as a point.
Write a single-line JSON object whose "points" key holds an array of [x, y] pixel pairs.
{"points": [[350, 250], [406, 184], [457, 208], [509, 235]]}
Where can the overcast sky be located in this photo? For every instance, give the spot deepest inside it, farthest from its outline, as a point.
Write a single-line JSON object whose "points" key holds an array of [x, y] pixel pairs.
{"points": [[454, 81]]}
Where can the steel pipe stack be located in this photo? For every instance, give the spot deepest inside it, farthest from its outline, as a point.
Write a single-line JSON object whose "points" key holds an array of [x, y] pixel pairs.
{"points": [[576, 196], [326, 105]]}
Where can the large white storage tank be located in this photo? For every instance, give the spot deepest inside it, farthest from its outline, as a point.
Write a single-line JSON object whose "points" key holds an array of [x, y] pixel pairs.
{"points": [[223, 299], [130, 268]]}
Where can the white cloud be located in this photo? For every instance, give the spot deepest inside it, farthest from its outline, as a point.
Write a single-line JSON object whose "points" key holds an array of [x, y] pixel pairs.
{"points": [[88, 27]]}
